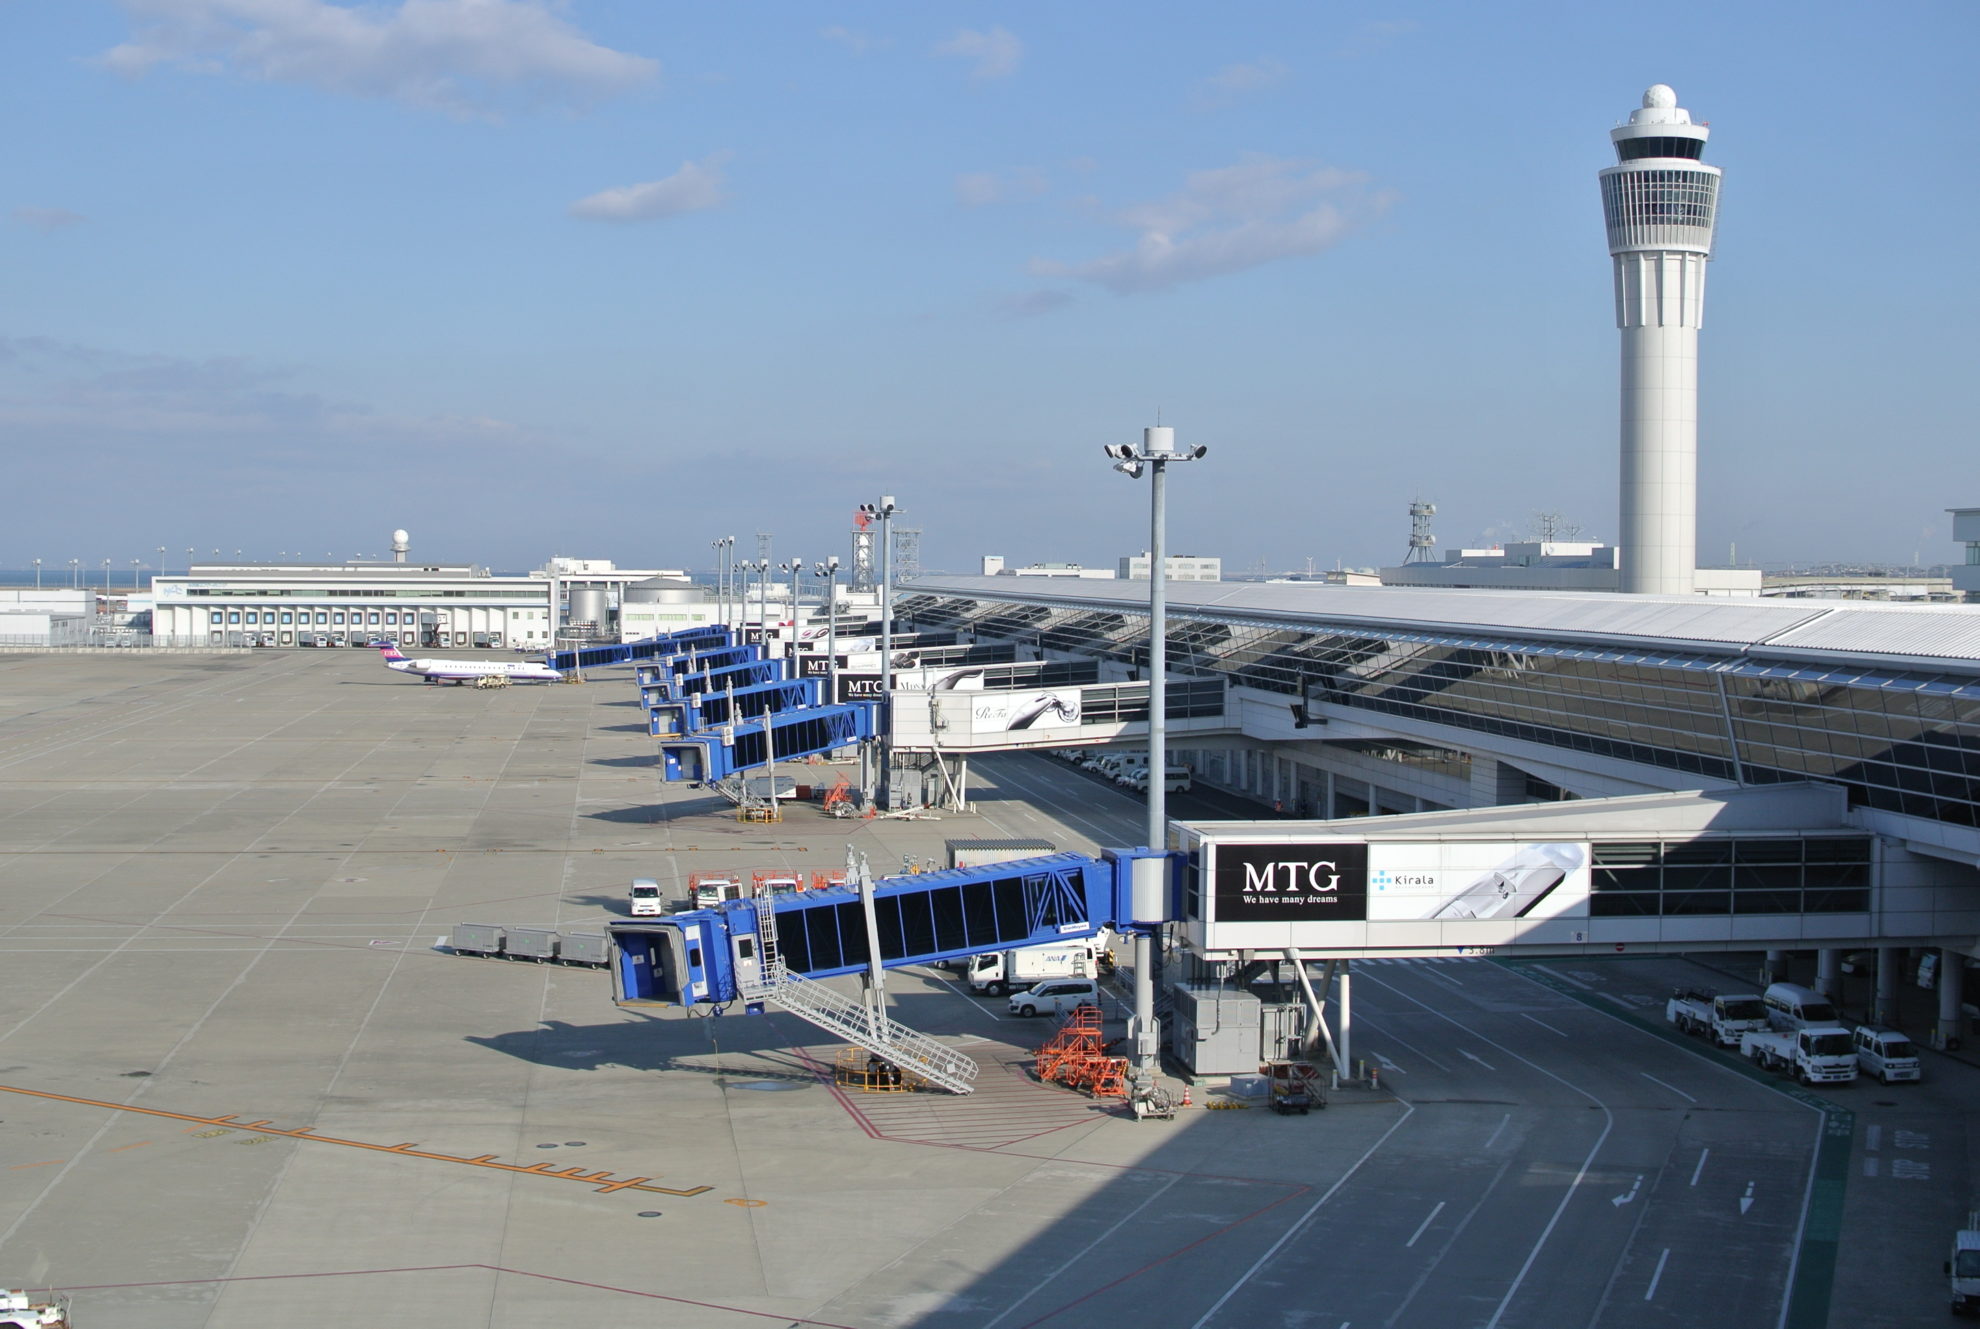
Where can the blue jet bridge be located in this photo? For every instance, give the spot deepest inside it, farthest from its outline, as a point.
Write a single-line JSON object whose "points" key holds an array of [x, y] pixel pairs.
{"points": [[703, 710], [719, 753], [672, 643], [713, 956], [663, 687]]}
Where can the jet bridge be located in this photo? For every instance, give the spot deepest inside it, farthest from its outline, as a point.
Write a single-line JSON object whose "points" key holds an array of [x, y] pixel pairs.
{"points": [[659, 686], [672, 643], [704, 710], [708, 956], [716, 754]]}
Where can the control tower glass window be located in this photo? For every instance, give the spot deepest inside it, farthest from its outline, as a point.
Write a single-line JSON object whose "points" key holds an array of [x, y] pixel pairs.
{"points": [[1630, 149]]}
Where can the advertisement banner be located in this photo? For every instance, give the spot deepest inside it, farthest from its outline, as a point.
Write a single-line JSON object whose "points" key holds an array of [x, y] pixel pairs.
{"points": [[1006, 712], [1453, 882], [1273, 883]]}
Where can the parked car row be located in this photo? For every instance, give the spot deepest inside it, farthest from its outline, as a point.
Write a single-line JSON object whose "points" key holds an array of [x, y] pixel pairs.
{"points": [[1128, 769]]}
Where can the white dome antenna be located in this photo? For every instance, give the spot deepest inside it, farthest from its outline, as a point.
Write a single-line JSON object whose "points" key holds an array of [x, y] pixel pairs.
{"points": [[401, 542]]}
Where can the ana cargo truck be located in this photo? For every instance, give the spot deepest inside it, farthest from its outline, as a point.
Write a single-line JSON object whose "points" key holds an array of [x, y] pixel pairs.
{"points": [[1820, 1054], [1724, 1018], [708, 889], [1011, 971]]}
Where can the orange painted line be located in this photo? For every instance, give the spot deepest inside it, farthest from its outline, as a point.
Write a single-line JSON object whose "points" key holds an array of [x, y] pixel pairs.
{"points": [[232, 1121], [22, 1167], [122, 1147]]}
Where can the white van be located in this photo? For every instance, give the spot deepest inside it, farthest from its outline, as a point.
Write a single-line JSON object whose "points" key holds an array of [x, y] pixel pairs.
{"points": [[645, 897], [1055, 997], [1792, 1007], [1885, 1053]]}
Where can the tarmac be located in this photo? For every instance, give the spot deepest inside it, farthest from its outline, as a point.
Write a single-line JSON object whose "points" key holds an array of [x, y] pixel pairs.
{"points": [[241, 1084]]}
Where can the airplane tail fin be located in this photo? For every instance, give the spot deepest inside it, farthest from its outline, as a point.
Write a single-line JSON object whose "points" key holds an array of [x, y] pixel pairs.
{"points": [[391, 653]]}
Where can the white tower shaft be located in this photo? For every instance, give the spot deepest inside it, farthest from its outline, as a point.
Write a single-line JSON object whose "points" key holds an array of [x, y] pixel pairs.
{"points": [[1661, 205]]}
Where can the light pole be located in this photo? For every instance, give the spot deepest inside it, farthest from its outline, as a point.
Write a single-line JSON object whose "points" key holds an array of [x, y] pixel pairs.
{"points": [[793, 566], [161, 560], [727, 567], [721, 596], [75, 574], [829, 570], [189, 560], [136, 563], [885, 510], [37, 574], [106, 576], [1150, 895]]}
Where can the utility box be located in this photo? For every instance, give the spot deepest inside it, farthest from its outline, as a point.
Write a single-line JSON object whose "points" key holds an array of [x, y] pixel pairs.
{"points": [[1216, 1029], [975, 853], [533, 943], [477, 939], [581, 948]]}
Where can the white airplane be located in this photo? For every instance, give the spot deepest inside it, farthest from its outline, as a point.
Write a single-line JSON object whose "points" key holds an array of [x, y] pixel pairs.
{"points": [[481, 673]]}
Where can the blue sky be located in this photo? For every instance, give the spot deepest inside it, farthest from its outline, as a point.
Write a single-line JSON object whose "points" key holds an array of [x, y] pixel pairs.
{"points": [[613, 278]]}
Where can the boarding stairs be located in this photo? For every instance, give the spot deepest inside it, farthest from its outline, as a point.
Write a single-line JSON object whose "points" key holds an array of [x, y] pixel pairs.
{"points": [[852, 1020]]}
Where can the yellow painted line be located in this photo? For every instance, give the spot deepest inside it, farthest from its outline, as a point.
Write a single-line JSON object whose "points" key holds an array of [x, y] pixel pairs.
{"points": [[22, 1167], [227, 1123]]}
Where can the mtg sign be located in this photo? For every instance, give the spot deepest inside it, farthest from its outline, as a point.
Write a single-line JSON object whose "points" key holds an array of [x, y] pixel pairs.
{"points": [[1257, 883]]}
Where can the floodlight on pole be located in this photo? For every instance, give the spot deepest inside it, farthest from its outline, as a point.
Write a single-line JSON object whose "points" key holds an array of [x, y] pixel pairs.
{"points": [[1150, 894], [884, 511], [829, 570]]}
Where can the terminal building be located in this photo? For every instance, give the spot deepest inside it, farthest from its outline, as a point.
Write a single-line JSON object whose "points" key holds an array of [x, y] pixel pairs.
{"points": [[415, 603], [1684, 772]]}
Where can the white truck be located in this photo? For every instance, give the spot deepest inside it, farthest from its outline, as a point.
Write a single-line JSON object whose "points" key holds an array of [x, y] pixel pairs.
{"points": [[708, 889], [1724, 1018], [1010, 971], [1819, 1054], [645, 896], [1963, 1269]]}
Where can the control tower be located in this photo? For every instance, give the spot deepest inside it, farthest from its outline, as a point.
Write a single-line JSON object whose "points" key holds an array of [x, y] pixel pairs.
{"points": [[1661, 203]]}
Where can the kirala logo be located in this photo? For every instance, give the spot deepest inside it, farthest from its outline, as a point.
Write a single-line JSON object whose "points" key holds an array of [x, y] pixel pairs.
{"points": [[1385, 878]]}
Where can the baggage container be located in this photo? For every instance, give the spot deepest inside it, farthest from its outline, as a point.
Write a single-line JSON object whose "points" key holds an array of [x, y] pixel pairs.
{"points": [[477, 939], [581, 948], [532, 944]]}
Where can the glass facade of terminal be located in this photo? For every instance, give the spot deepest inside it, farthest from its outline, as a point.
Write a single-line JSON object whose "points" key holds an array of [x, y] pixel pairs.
{"points": [[1904, 742]]}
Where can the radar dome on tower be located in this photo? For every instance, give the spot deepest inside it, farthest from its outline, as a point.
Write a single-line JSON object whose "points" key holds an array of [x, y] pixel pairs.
{"points": [[401, 542]]}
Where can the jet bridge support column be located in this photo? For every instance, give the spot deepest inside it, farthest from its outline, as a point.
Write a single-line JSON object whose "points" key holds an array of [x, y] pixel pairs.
{"points": [[1950, 979], [1884, 1009], [1828, 972]]}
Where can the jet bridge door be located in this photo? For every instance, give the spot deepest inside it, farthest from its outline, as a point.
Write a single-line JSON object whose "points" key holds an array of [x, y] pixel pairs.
{"points": [[659, 964]]}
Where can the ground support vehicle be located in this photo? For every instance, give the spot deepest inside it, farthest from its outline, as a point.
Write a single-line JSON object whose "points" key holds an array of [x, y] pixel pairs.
{"points": [[1294, 1086], [708, 889], [18, 1307], [999, 972], [646, 899], [1963, 1269], [1816, 1055], [1724, 1018], [1056, 997], [1886, 1054]]}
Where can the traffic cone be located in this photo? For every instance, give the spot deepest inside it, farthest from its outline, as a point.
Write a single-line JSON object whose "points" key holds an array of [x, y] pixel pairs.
{"points": [[1185, 1101]]}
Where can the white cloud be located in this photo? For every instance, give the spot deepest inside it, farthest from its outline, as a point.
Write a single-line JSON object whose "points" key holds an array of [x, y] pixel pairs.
{"points": [[996, 52], [461, 56], [978, 189], [46, 219], [1235, 81], [856, 42], [696, 187], [1259, 211]]}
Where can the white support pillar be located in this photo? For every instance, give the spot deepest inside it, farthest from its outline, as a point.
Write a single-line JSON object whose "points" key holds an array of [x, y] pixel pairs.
{"points": [[1884, 1010], [1828, 972], [1951, 978]]}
